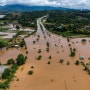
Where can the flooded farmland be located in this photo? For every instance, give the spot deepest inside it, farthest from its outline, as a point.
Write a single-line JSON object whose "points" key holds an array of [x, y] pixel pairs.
{"points": [[53, 76]]}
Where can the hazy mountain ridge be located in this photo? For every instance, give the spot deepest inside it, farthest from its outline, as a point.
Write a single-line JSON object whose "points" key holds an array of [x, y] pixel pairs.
{"points": [[18, 7]]}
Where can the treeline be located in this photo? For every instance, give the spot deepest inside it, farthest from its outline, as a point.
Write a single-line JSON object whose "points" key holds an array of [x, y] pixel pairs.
{"points": [[29, 18], [26, 19], [69, 21]]}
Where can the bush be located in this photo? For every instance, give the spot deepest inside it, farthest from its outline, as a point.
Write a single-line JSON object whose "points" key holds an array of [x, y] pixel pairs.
{"points": [[17, 27], [39, 57], [25, 47], [6, 73], [17, 79], [49, 62], [10, 61], [47, 49], [25, 57], [72, 54], [68, 62], [77, 62], [34, 42], [14, 68], [3, 44], [39, 51], [22, 43], [32, 66], [50, 57], [74, 49], [61, 61], [20, 60], [30, 72], [26, 52], [48, 44], [4, 86], [84, 40]]}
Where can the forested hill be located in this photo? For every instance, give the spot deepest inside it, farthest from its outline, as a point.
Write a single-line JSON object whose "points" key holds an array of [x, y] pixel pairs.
{"points": [[18, 7]]}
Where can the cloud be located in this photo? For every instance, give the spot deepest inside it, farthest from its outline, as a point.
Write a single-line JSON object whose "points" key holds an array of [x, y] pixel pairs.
{"points": [[61, 3]]}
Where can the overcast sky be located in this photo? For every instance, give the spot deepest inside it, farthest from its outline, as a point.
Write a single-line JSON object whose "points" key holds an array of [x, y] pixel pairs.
{"points": [[61, 3]]}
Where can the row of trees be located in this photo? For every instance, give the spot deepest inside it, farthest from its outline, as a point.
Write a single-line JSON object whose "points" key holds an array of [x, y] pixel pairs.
{"points": [[8, 73]]}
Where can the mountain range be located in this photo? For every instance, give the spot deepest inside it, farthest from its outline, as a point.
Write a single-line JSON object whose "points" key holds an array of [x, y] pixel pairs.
{"points": [[18, 7]]}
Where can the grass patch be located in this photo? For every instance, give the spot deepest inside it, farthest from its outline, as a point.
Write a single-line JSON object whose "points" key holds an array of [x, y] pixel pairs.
{"points": [[68, 34], [3, 29]]}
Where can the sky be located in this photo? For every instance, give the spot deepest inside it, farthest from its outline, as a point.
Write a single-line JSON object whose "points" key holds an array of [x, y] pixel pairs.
{"points": [[81, 4]]}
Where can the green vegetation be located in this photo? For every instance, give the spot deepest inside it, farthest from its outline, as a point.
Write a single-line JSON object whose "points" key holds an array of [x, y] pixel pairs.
{"points": [[86, 68], [69, 23], [74, 49], [8, 73], [34, 42], [47, 44], [3, 29], [61, 61], [3, 43], [10, 61], [72, 54], [22, 43], [32, 66], [22, 33], [30, 72], [26, 19], [26, 52], [20, 60], [39, 57], [17, 27], [49, 62], [77, 62], [39, 51], [68, 62], [84, 40], [50, 57], [47, 49]]}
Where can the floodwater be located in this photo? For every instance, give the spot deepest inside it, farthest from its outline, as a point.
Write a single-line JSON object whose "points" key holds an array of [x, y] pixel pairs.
{"points": [[12, 31], [7, 34], [54, 76]]}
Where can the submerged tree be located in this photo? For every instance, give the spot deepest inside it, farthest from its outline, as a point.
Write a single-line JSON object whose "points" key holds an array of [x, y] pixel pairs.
{"points": [[20, 60]]}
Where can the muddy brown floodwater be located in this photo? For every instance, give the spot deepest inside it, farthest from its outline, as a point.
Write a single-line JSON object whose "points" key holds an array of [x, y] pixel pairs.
{"points": [[53, 76]]}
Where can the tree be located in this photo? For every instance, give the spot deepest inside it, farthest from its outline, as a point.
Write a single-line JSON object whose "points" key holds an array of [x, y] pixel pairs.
{"points": [[17, 27], [6, 73], [22, 43], [2, 44], [10, 61], [84, 40], [61, 61], [20, 60], [30, 72], [77, 62], [48, 62], [72, 54]]}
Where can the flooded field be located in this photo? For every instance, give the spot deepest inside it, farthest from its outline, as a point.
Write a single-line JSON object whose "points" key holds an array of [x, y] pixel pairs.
{"points": [[2, 16], [7, 35], [53, 76], [12, 31]]}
